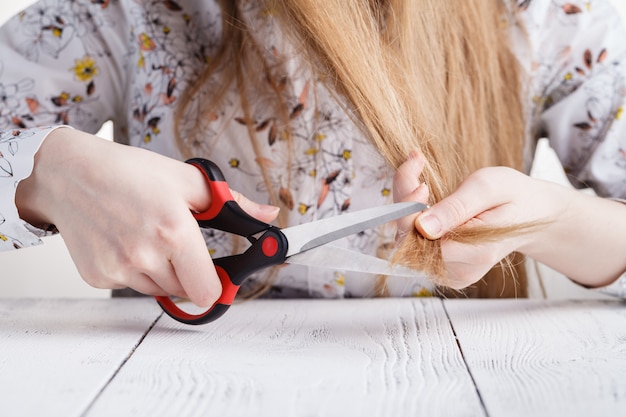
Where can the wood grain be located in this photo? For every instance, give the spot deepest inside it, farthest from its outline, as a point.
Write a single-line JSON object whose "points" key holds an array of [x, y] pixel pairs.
{"points": [[537, 358], [377, 357], [56, 355]]}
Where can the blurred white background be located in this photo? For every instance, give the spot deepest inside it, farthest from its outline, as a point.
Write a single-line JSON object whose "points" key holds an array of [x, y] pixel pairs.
{"points": [[48, 271]]}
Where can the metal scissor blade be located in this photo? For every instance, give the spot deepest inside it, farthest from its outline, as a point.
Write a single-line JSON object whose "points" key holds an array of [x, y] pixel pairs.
{"points": [[333, 257], [311, 235]]}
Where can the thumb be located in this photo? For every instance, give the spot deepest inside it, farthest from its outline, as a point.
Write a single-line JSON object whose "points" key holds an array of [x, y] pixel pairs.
{"points": [[442, 217], [451, 212], [429, 225], [263, 212]]}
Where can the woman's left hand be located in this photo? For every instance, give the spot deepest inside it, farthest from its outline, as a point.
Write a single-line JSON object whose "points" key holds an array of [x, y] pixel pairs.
{"points": [[573, 226]]}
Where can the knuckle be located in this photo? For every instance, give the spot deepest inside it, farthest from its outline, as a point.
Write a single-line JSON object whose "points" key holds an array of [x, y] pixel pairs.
{"points": [[404, 181], [456, 211], [167, 235], [399, 175], [115, 278], [467, 264], [134, 258], [488, 180], [483, 178]]}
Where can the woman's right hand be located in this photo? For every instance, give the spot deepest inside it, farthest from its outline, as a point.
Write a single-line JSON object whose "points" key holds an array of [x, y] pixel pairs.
{"points": [[125, 215]]}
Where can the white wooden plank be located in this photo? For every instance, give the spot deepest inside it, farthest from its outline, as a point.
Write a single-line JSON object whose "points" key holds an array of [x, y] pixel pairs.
{"points": [[380, 357], [57, 355], [538, 358]]}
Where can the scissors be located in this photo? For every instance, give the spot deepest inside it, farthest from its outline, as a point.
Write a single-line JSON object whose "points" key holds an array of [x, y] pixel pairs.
{"points": [[271, 245]]}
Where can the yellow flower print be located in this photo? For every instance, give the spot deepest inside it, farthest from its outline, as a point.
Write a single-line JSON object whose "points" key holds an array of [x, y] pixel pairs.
{"points": [[145, 42], [385, 192], [347, 154], [423, 292], [57, 32], [619, 113], [234, 163], [85, 69], [340, 279], [303, 208], [3, 237], [153, 124], [61, 99]]}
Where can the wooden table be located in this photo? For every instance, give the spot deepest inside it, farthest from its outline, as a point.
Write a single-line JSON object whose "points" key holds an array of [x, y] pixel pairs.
{"points": [[379, 357]]}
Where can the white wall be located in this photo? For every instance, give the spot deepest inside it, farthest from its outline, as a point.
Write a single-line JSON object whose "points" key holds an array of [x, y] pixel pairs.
{"points": [[47, 270]]}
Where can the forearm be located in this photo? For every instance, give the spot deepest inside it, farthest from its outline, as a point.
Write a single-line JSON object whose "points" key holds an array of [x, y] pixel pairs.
{"points": [[586, 240]]}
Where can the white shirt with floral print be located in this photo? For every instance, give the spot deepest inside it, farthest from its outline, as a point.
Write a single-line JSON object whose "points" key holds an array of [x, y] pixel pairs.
{"points": [[83, 62]]}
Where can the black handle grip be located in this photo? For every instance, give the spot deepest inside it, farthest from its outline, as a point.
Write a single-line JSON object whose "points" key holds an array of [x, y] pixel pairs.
{"points": [[270, 249], [225, 214]]}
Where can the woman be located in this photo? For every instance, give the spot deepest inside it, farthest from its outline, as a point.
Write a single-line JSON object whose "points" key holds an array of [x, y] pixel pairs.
{"points": [[314, 106]]}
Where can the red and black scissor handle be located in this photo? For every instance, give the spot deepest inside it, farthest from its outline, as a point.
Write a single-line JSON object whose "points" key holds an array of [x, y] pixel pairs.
{"points": [[225, 214]]}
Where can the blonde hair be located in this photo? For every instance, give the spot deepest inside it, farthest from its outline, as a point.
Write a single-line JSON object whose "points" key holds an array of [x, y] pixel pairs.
{"points": [[433, 75]]}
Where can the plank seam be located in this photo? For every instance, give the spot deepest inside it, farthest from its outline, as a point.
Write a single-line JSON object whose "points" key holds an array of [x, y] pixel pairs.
{"points": [[119, 368], [469, 371]]}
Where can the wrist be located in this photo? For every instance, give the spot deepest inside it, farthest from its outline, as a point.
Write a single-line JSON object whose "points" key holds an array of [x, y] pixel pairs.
{"points": [[31, 197], [583, 238], [554, 213]]}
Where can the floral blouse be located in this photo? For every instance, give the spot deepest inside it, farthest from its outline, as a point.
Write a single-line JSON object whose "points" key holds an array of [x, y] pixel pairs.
{"points": [[83, 62]]}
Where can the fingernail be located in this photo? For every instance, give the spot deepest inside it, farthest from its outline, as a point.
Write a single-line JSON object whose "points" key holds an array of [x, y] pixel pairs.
{"points": [[430, 225], [422, 185], [414, 154]]}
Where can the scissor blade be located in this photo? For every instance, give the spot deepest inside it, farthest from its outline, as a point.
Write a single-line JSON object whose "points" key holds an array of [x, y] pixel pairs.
{"points": [[333, 257], [311, 235]]}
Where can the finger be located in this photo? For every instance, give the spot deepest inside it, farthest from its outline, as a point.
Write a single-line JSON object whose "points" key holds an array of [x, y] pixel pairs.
{"points": [[406, 178], [466, 264], [166, 279], [197, 191], [482, 191], [263, 212], [194, 268], [405, 224], [144, 284]]}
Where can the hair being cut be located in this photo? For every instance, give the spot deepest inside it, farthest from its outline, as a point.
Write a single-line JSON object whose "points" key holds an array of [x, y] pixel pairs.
{"points": [[438, 76]]}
